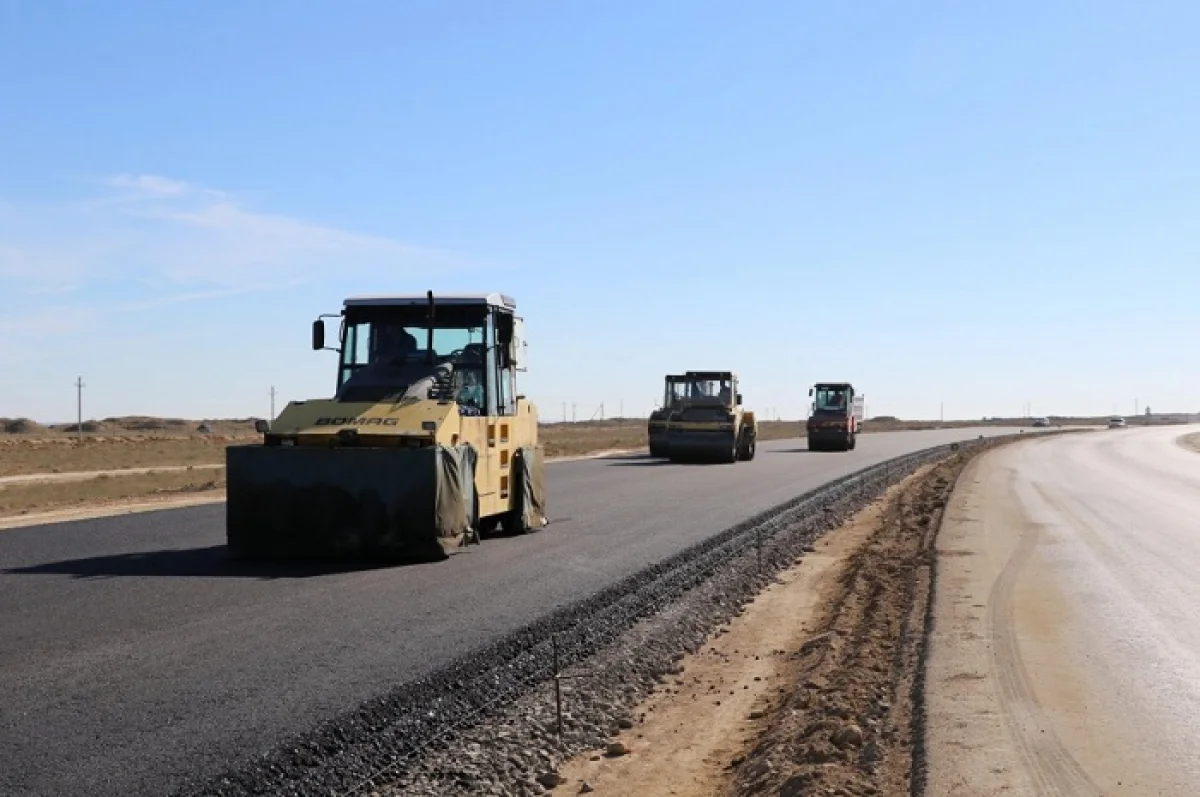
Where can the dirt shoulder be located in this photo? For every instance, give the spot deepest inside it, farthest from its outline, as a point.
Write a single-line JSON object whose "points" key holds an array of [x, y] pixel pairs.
{"points": [[815, 686], [702, 720], [1191, 441]]}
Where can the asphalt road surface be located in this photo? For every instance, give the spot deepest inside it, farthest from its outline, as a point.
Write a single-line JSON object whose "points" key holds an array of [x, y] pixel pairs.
{"points": [[1066, 652], [132, 656]]}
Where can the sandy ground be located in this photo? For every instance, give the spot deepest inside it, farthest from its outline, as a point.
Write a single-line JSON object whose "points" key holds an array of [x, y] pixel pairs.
{"points": [[1065, 657]]}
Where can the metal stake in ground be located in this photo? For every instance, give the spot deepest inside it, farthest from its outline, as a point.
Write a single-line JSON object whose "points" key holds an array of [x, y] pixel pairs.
{"points": [[558, 679], [758, 546]]}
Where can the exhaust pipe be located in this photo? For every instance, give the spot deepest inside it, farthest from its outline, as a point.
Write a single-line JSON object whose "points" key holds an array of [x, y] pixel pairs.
{"points": [[429, 330]]}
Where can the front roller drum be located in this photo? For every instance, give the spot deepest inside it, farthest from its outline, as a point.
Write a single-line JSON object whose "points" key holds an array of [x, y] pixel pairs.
{"points": [[704, 447], [377, 504]]}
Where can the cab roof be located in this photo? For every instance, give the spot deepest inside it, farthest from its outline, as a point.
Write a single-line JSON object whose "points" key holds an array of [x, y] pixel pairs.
{"points": [[707, 375], [410, 299]]}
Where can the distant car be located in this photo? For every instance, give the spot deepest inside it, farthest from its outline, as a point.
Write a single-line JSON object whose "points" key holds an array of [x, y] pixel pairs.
{"points": [[1042, 422], [1116, 423]]}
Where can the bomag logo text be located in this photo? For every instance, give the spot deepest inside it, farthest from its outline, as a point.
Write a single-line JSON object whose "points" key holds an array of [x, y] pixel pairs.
{"points": [[328, 421]]}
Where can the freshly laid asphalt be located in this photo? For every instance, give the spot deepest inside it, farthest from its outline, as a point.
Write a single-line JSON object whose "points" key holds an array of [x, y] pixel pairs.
{"points": [[133, 657]]}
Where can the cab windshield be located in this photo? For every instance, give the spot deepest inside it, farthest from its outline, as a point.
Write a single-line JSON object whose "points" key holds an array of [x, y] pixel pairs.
{"points": [[387, 354], [706, 389], [677, 390], [831, 399]]}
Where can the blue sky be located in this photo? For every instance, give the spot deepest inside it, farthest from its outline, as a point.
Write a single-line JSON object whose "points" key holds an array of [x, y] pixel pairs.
{"points": [[943, 202]]}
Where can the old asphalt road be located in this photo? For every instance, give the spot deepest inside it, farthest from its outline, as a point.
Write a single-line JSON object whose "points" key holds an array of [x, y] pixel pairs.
{"points": [[1066, 648], [132, 657]]}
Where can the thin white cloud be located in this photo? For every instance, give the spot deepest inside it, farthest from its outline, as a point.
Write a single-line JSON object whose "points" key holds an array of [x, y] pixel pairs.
{"points": [[151, 184], [151, 228], [46, 321]]}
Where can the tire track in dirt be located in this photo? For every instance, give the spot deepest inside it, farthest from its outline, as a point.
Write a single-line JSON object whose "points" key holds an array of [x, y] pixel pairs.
{"points": [[1054, 770]]}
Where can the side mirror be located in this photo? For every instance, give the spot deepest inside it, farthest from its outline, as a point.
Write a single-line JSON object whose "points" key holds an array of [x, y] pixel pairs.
{"points": [[261, 426], [810, 390], [516, 345], [318, 335], [739, 398]]}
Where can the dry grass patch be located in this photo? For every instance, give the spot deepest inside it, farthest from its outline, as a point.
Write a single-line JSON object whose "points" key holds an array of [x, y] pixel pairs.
{"points": [[23, 499], [28, 454], [36, 455], [1191, 441]]}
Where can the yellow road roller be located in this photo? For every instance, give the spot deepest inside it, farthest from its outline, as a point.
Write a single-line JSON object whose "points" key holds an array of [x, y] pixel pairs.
{"points": [[708, 421], [425, 445]]}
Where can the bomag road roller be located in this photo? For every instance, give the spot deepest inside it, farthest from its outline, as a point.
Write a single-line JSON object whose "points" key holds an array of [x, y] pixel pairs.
{"points": [[425, 444], [836, 416], [708, 422], [656, 426]]}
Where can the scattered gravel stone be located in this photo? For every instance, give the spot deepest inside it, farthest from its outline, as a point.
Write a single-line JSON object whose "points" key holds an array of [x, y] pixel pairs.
{"points": [[616, 749]]}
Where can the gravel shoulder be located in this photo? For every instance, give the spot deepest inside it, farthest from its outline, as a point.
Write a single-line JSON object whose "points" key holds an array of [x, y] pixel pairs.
{"points": [[693, 726], [851, 723], [814, 686]]}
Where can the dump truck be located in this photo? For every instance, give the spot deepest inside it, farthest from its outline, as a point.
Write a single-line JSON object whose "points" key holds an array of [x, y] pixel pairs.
{"points": [[657, 424], [836, 417], [425, 445], [708, 421]]}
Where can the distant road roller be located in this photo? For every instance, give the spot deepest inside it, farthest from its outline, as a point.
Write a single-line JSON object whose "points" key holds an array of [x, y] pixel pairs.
{"points": [[708, 421], [836, 417], [426, 443]]}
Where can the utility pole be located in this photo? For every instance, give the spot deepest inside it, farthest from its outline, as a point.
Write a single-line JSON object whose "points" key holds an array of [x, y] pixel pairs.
{"points": [[272, 402], [942, 412], [622, 414], [79, 407], [564, 412]]}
